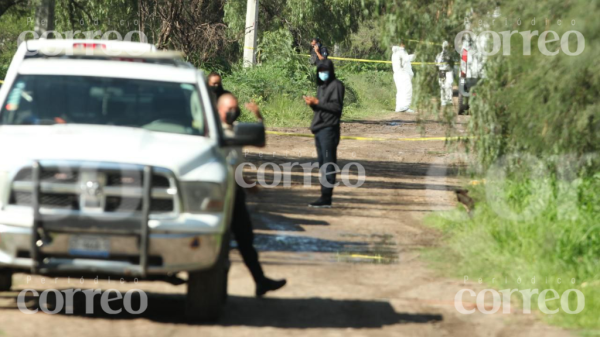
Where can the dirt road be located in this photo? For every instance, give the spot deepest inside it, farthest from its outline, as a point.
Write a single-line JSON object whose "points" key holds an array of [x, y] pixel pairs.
{"points": [[354, 269]]}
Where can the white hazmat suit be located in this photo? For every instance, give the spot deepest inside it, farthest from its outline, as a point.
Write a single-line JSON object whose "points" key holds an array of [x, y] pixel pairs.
{"points": [[403, 75], [445, 77]]}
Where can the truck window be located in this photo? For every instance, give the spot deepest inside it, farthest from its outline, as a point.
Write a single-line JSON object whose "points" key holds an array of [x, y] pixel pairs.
{"points": [[152, 105]]}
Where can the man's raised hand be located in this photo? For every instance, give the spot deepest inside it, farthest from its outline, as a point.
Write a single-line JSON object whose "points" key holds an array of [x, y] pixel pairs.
{"points": [[253, 107]]}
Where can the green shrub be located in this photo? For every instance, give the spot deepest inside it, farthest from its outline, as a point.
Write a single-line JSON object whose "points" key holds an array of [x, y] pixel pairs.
{"points": [[282, 77], [539, 104], [553, 242]]}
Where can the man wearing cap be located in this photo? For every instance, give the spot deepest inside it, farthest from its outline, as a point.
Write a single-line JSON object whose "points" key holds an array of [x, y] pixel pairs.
{"points": [[327, 108]]}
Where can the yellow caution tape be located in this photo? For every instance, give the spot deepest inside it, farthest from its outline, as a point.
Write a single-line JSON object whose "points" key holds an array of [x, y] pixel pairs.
{"points": [[366, 257], [307, 135], [358, 60], [375, 61]]}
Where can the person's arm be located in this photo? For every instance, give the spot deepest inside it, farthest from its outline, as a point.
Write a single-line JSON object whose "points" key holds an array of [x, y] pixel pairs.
{"points": [[324, 53], [336, 104], [321, 56], [253, 107]]}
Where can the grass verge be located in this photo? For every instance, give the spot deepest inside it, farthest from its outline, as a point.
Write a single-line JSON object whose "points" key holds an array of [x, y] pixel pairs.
{"points": [[530, 234]]}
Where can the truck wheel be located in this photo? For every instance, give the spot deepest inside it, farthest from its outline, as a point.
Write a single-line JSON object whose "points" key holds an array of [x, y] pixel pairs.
{"points": [[5, 280], [462, 106], [207, 289]]}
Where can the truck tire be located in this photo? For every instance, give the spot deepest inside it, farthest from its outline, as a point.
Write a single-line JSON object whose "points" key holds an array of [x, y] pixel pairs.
{"points": [[462, 106], [206, 289], [5, 280]]}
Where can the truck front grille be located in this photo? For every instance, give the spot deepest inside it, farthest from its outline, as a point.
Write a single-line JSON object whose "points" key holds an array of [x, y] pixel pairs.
{"points": [[50, 200], [118, 179], [116, 190]]}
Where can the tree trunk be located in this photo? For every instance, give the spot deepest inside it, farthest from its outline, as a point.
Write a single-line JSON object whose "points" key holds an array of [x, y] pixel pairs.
{"points": [[44, 17]]}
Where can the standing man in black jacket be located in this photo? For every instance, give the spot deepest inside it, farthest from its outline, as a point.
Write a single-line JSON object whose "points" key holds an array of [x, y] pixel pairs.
{"points": [[327, 107]]}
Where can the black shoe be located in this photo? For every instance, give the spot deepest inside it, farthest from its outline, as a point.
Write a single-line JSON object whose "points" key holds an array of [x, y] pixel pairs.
{"points": [[321, 203], [268, 285]]}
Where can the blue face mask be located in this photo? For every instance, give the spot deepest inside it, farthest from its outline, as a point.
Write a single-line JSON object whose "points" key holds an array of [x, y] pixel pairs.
{"points": [[324, 76]]}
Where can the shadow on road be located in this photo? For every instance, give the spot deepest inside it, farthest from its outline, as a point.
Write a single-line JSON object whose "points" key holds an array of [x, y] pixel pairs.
{"points": [[317, 313], [373, 170], [249, 311], [387, 122]]}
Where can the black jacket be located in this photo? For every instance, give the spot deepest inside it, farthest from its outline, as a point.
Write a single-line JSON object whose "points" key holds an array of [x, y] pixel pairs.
{"points": [[331, 99], [314, 59]]}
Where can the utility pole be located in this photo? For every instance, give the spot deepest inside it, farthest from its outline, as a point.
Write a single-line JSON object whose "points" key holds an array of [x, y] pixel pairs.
{"points": [[44, 16], [251, 33]]}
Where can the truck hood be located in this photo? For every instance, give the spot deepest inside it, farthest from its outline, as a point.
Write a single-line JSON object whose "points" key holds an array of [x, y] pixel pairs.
{"points": [[187, 156]]}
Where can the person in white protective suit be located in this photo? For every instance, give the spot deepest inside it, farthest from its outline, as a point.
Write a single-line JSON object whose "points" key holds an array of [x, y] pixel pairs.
{"points": [[446, 76], [403, 75]]}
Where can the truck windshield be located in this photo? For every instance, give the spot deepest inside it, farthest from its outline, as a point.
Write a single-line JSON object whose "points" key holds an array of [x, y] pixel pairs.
{"points": [[157, 106]]}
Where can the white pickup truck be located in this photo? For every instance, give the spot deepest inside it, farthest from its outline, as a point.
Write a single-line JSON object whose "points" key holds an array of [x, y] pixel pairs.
{"points": [[114, 163]]}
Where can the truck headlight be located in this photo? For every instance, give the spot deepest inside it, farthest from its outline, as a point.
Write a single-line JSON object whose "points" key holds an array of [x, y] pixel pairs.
{"points": [[203, 197]]}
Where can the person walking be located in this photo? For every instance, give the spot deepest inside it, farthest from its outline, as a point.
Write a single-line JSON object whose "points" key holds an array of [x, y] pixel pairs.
{"points": [[318, 52], [327, 108], [445, 77], [403, 74], [241, 224]]}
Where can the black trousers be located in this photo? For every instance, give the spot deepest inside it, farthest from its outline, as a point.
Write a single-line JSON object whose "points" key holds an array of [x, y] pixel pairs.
{"points": [[327, 141], [241, 227]]}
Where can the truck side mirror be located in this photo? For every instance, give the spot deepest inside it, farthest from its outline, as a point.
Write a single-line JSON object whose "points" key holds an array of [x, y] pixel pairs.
{"points": [[247, 134]]}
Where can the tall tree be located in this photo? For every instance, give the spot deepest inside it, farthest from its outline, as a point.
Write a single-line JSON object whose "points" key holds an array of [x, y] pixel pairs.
{"points": [[44, 16], [5, 5], [331, 20]]}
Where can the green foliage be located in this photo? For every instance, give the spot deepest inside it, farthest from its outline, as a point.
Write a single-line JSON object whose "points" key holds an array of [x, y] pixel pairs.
{"points": [[368, 94], [282, 77], [93, 15], [70, 16], [12, 23], [553, 242], [276, 49], [543, 105], [331, 20], [538, 104]]}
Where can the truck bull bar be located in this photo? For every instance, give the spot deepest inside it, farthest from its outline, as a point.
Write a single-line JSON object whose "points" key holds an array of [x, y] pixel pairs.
{"points": [[42, 224]]}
